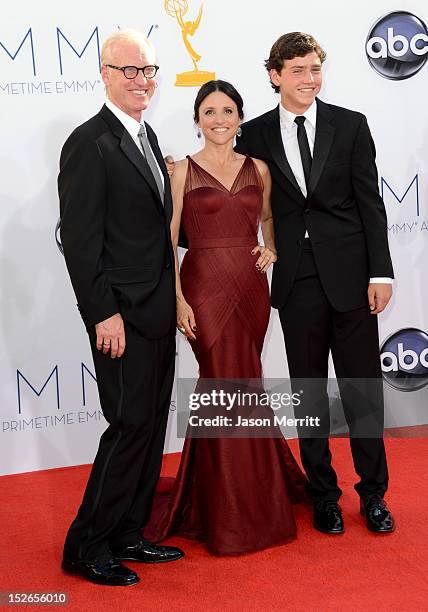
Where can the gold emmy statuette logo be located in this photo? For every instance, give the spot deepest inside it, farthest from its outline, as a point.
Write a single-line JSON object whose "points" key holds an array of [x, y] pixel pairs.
{"points": [[193, 78]]}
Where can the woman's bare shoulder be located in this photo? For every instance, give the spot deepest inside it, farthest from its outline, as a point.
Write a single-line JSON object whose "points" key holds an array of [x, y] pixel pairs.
{"points": [[262, 166], [180, 169]]}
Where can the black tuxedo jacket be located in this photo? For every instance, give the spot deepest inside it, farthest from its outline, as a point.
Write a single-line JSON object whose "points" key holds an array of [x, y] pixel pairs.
{"points": [[114, 228], [343, 213]]}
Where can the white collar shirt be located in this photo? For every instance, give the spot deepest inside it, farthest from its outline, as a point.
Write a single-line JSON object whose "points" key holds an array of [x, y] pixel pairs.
{"points": [[289, 140]]}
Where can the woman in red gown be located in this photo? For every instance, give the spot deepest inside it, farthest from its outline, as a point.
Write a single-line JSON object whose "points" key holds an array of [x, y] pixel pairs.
{"points": [[235, 494]]}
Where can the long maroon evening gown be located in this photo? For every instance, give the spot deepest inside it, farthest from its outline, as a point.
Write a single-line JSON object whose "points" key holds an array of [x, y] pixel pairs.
{"points": [[235, 494]]}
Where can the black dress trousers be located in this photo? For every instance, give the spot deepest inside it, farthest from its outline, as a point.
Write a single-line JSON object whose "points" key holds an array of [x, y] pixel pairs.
{"points": [[312, 328], [135, 393]]}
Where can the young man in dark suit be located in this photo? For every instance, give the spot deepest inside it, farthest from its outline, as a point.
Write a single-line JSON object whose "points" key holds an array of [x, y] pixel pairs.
{"points": [[116, 209], [334, 272]]}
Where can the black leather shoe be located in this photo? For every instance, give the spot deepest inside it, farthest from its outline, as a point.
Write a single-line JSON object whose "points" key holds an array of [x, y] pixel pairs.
{"points": [[146, 552], [328, 517], [110, 573], [378, 517]]}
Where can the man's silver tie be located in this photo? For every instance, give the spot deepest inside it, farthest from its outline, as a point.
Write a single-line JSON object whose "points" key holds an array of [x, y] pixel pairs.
{"points": [[142, 136]]}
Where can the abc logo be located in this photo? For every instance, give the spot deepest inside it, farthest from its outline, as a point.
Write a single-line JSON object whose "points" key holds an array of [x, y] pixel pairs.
{"points": [[397, 45], [404, 359]]}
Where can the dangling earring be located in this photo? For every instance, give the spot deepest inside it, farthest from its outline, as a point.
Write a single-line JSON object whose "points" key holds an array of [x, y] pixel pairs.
{"points": [[239, 132], [199, 133]]}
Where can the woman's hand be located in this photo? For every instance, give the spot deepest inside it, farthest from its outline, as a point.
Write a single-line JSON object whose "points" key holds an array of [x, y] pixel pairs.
{"points": [[186, 323], [266, 259]]}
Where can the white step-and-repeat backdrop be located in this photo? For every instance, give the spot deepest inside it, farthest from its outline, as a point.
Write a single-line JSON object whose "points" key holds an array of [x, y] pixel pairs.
{"points": [[50, 83]]}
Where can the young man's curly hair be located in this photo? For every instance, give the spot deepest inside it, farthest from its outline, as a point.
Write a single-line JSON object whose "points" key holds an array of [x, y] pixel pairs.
{"points": [[291, 45]]}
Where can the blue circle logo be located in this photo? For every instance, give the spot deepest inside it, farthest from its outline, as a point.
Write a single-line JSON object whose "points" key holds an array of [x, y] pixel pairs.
{"points": [[404, 359], [397, 45]]}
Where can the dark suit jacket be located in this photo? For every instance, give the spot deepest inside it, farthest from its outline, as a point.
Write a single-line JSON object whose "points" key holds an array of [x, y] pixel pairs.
{"points": [[115, 229], [343, 213]]}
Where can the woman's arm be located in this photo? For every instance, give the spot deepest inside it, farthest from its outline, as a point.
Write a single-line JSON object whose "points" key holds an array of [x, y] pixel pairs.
{"points": [[185, 317], [268, 251]]}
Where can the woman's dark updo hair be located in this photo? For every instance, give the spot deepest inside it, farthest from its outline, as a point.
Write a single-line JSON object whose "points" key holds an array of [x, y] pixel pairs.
{"points": [[223, 86]]}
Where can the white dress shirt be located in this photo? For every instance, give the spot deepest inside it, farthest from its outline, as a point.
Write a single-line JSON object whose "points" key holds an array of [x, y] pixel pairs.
{"points": [[292, 151], [289, 140], [132, 126]]}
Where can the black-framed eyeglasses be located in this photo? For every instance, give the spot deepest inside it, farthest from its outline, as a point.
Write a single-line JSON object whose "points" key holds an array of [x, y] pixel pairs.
{"points": [[131, 72]]}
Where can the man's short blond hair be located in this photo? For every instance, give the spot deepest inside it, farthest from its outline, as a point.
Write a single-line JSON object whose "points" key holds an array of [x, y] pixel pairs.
{"points": [[125, 35]]}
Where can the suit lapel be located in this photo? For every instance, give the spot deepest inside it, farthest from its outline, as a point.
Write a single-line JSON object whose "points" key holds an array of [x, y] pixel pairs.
{"points": [[158, 155], [130, 149], [274, 139], [324, 135], [167, 197]]}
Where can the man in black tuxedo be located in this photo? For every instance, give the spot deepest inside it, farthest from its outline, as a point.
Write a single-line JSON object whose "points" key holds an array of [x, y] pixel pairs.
{"points": [[334, 272], [116, 209]]}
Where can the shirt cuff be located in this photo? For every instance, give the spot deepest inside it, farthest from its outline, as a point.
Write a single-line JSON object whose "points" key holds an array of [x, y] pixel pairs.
{"points": [[381, 279]]}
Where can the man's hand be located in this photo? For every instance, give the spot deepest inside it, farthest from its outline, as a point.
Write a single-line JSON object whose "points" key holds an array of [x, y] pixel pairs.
{"points": [[111, 336], [169, 161], [379, 295]]}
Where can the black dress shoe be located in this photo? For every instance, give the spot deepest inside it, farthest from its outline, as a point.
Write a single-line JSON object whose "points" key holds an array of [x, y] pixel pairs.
{"points": [[328, 517], [378, 517], [110, 573], [146, 552]]}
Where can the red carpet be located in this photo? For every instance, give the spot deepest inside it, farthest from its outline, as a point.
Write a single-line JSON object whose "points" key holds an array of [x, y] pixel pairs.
{"points": [[356, 571]]}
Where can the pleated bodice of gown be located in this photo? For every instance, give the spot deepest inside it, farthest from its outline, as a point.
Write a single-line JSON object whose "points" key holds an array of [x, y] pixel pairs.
{"points": [[235, 494], [218, 275]]}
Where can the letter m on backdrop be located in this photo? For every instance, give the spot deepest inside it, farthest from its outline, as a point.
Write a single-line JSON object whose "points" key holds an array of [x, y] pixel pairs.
{"points": [[20, 377], [12, 56], [61, 36], [414, 181]]}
